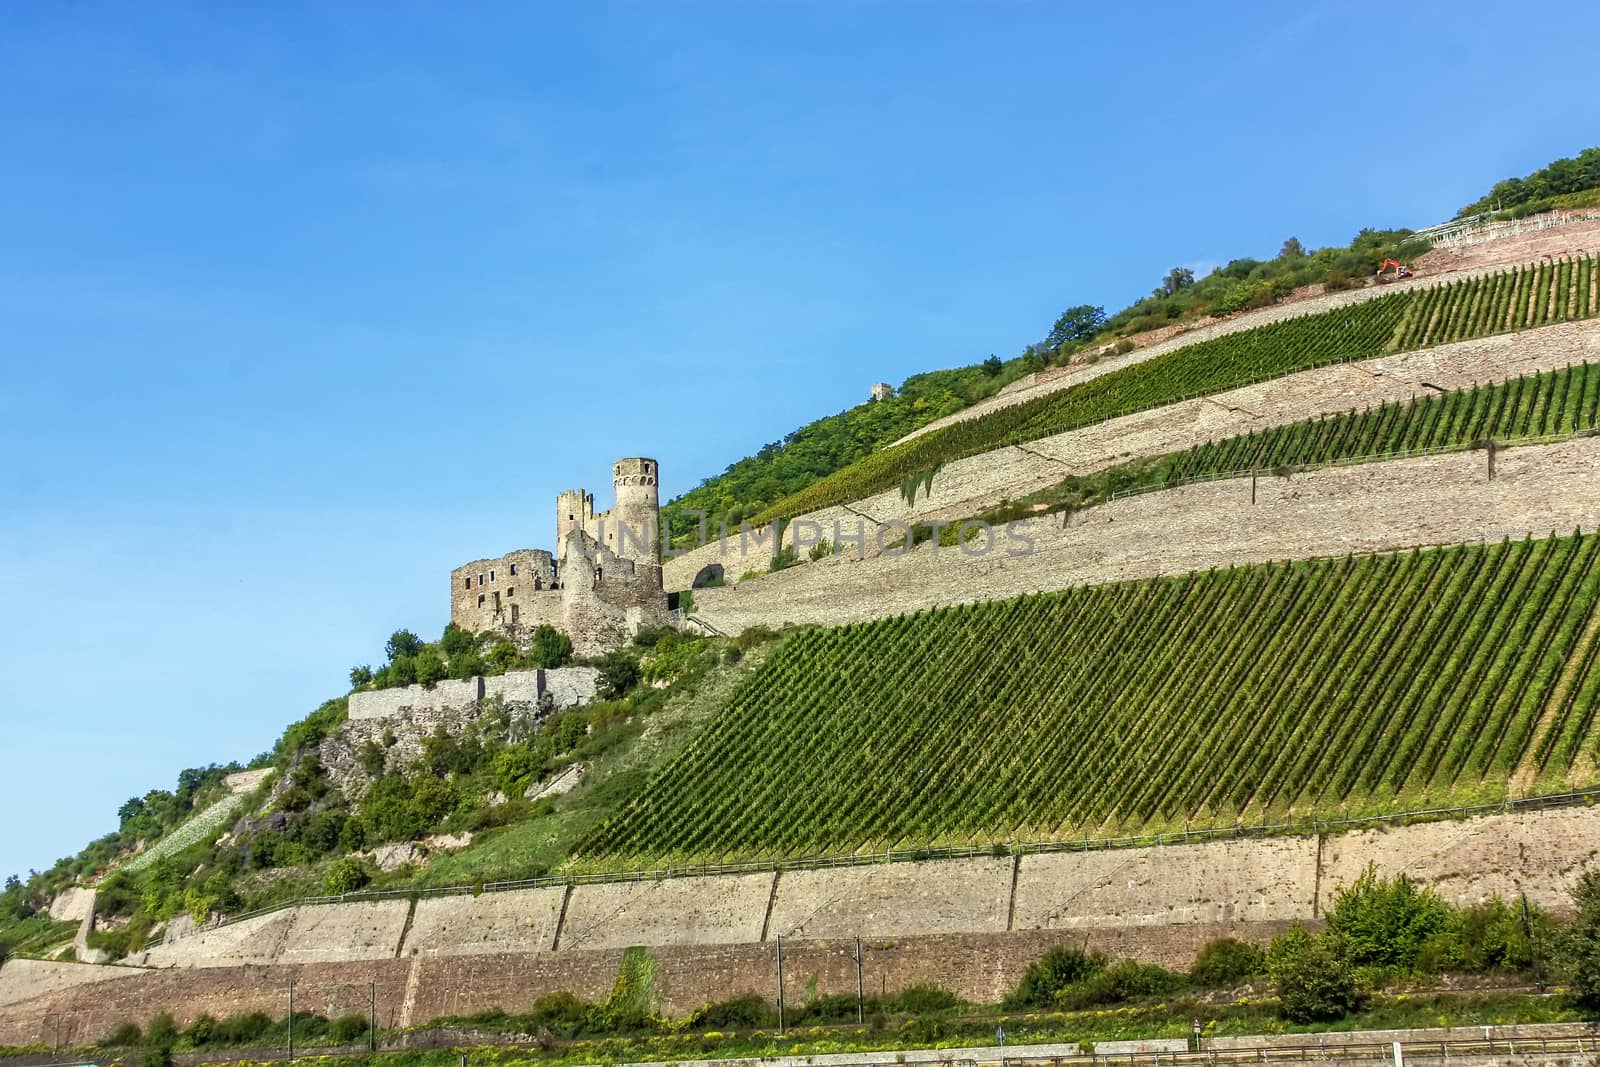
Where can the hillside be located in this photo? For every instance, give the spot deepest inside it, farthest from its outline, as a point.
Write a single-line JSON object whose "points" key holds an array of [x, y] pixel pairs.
{"points": [[1414, 680], [1456, 673], [769, 483]]}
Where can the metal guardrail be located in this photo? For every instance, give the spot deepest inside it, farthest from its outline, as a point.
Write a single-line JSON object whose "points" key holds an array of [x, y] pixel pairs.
{"points": [[912, 855]]}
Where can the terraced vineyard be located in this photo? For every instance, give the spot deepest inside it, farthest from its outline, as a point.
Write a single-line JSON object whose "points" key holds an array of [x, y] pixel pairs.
{"points": [[1326, 686], [1529, 296], [1556, 402]]}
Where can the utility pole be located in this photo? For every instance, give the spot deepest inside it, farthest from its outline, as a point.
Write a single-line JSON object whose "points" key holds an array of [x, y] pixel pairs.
{"points": [[372, 1016], [859, 997], [291, 1020], [780, 983]]}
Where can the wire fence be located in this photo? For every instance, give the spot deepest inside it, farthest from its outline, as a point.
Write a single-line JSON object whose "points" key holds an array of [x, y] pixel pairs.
{"points": [[1356, 460], [1302, 828]]}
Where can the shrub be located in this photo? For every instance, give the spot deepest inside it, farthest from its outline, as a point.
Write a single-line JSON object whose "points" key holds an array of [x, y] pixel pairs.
{"points": [[347, 1029], [1313, 984], [924, 1000], [1582, 946], [456, 640], [161, 1032], [241, 1029], [746, 1012], [619, 672], [199, 1031], [1379, 922], [755, 635], [551, 648], [125, 1035], [1226, 961], [1121, 981], [1062, 966], [347, 875]]}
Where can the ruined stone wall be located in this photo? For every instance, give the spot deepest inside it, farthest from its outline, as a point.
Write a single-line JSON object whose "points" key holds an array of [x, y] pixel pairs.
{"points": [[483, 592], [966, 486], [389, 703], [1371, 507]]}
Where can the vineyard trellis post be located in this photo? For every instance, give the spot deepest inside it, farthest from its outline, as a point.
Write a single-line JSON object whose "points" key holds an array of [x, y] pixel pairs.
{"points": [[291, 1020]]}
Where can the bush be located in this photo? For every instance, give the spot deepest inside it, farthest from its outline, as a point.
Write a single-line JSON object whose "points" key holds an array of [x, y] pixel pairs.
{"points": [[1225, 962], [347, 876], [619, 672], [746, 1012], [1313, 984], [1582, 945], [1121, 981], [347, 1029], [125, 1035], [1062, 966], [161, 1032], [241, 1029], [923, 1000], [551, 648], [1384, 922]]}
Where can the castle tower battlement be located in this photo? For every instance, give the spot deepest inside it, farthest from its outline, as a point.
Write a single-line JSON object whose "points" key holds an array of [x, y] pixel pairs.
{"points": [[602, 584], [630, 527]]}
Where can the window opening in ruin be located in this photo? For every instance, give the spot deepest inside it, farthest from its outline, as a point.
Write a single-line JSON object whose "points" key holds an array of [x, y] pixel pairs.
{"points": [[514, 614], [480, 579], [468, 580], [480, 600], [513, 570], [512, 591], [599, 572], [497, 600], [491, 576]]}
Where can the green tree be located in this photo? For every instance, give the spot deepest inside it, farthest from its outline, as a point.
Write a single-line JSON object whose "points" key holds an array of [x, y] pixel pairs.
{"points": [[430, 668], [402, 643], [347, 876], [1384, 922], [1582, 942], [360, 675], [456, 640], [1312, 982], [1076, 324], [1227, 961], [992, 366], [1292, 249], [1176, 281], [619, 673], [550, 648]]}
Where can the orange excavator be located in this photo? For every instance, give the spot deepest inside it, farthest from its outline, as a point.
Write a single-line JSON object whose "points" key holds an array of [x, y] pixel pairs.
{"points": [[1400, 271]]}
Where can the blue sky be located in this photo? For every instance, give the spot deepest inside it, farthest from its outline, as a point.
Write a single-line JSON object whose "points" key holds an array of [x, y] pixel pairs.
{"points": [[300, 306]]}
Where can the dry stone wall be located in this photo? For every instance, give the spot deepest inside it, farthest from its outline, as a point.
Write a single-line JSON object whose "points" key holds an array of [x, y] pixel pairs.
{"points": [[1372, 507], [966, 486]]}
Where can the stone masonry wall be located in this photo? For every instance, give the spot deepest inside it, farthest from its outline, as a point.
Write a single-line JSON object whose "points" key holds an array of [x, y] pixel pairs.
{"points": [[1372, 507], [970, 925], [967, 486]]}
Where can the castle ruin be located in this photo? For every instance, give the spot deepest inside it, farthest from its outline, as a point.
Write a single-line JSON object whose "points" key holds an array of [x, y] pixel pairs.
{"points": [[602, 585]]}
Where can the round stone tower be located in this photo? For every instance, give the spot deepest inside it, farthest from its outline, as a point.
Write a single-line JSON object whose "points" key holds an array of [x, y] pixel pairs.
{"points": [[637, 512]]}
